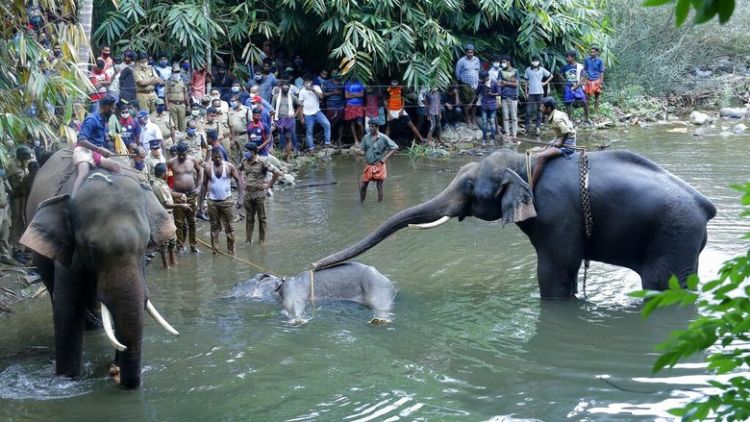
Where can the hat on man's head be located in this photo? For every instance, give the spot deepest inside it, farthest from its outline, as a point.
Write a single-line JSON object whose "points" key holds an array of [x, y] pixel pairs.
{"points": [[469, 47], [256, 99], [251, 146], [141, 114], [160, 101], [154, 143]]}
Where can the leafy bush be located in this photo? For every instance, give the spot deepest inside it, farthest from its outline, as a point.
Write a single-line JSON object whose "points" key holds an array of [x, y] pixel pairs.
{"points": [[722, 331]]}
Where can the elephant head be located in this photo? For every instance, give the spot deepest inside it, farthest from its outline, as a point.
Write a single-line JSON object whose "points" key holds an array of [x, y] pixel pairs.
{"points": [[489, 190], [98, 240]]}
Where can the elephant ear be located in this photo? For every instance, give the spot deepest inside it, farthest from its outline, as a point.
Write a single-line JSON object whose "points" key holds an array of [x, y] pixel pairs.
{"points": [[160, 223], [517, 200], [49, 233]]}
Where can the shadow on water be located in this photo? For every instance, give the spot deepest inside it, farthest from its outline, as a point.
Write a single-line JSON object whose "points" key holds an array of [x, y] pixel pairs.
{"points": [[471, 340]]}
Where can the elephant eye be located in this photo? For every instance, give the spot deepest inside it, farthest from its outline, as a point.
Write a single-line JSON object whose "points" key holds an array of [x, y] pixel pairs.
{"points": [[469, 185]]}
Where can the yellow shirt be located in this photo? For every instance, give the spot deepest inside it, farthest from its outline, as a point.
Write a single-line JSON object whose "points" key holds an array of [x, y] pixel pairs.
{"points": [[561, 125]]}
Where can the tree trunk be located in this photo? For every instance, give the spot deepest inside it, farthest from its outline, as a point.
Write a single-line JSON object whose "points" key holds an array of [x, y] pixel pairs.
{"points": [[85, 16]]}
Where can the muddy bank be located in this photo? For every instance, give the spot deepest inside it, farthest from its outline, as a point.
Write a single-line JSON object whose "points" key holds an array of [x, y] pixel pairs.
{"points": [[17, 284]]}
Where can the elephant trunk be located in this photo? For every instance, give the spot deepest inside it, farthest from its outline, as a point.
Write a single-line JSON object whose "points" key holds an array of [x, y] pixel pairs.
{"points": [[426, 212], [124, 295]]}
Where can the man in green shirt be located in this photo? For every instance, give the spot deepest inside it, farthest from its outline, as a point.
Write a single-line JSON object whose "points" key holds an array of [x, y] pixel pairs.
{"points": [[377, 148]]}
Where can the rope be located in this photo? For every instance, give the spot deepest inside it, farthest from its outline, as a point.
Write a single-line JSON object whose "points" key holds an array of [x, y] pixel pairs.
{"points": [[588, 219], [202, 242], [312, 287]]}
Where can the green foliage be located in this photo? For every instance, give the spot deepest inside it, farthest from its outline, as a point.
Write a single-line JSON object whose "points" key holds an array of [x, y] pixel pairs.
{"points": [[418, 150], [37, 92], [722, 331], [705, 10], [417, 40]]}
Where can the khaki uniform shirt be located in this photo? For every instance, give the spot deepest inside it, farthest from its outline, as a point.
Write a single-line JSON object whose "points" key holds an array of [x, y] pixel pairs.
{"points": [[238, 120], [255, 176], [220, 127], [196, 145], [176, 91], [200, 123], [562, 127], [152, 161], [143, 74], [165, 123], [163, 194]]}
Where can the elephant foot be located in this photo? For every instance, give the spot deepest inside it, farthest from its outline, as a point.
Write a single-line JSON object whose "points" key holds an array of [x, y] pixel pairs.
{"points": [[114, 373]]}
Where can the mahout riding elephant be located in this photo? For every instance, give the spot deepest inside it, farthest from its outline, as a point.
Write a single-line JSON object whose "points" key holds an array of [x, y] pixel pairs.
{"points": [[644, 218], [90, 249]]}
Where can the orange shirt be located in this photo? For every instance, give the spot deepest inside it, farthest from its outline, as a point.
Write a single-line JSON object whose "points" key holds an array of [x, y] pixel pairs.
{"points": [[395, 99]]}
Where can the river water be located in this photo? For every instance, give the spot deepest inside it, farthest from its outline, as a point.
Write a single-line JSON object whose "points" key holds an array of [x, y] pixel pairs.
{"points": [[470, 340]]}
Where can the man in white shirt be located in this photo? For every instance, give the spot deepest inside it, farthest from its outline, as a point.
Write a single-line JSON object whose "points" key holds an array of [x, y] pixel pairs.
{"points": [[149, 131], [310, 96]]}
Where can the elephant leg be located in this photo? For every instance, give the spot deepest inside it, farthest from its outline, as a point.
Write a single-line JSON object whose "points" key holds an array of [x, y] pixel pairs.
{"points": [[93, 315], [69, 311], [668, 257], [557, 274]]}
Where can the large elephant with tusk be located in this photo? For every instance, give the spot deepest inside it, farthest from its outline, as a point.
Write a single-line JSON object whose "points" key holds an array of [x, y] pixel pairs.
{"points": [[644, 218], [90, 249]]}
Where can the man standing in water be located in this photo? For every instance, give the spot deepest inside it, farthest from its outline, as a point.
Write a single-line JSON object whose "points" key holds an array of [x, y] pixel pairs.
{"points": [[377, 148], [255, 171], [218, 184], [188, 178]]}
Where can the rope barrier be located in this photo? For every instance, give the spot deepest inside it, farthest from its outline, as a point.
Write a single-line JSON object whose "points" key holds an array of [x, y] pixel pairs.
{"points": [[246, 262]]}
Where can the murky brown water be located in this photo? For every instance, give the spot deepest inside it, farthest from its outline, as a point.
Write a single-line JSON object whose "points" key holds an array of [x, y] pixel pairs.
{"points": [[471, 340]]}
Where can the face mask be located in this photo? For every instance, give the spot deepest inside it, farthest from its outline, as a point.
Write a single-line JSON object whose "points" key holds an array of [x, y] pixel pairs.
{"points": [[248, 155], [125, 115], [258, 77], [139, 165], [504, 65], [191, 131], [235, 89], [58, 53], [142, 122], [496, 64], [394, 83], [535, 64], [195, 113], [163, 63], [186, 66], [215, 96], [176, 76], [234, 104], [160, 108], [308, 85]]}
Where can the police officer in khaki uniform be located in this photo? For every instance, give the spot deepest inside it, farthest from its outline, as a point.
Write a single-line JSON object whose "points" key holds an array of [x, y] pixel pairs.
{"points": [[195, 117], [145, 81], [239, 117], [177, 97], [166, 125], [215, 121], [195, 140]]}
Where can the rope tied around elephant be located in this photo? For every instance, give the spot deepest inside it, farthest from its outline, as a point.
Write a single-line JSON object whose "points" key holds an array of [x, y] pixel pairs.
{"points": [[588, 219]]}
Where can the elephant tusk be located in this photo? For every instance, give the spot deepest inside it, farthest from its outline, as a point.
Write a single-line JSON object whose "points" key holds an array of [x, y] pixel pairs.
{"points": [[442, 220], [156, 316], [107, 322]]}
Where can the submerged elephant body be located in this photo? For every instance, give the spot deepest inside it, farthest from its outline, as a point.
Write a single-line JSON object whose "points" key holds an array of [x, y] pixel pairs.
{"points": [[644, 218], [90, 249], [353, 281]]}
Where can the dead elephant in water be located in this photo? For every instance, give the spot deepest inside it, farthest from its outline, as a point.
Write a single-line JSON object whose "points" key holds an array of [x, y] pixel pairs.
{"points": [[352, 281]]}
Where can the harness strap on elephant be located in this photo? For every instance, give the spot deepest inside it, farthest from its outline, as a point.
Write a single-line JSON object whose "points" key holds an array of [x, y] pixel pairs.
{"points": [[588, 219]]}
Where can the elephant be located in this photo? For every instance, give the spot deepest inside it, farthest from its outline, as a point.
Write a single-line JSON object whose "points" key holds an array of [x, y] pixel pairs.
{"points": [[91, 249], [351, 281], [644, 218]]}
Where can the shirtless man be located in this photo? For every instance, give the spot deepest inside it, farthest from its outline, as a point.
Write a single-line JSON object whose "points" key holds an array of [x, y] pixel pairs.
{"points": [[217, 184], [188, 179]]}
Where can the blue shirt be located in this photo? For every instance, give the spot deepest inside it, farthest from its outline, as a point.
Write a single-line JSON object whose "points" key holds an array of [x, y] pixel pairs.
{"points": [[594, 67], [94, 130], [489, 102], [265, 87], [467, 71], [509, 92], [354, 87], [335, 101], [571, 72]]}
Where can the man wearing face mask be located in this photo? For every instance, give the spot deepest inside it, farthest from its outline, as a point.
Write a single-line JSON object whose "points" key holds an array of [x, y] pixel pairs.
{"points": [[237, 90], [146, 80], [265, 81], [195, 141], [239, 118], [127, 85], [537, 78], [509, 93], [310, 96], [164, 70], [105, 55], [149, 130], [125, 125], [195, 118], [176, 99], [215, 122], [217, 102], [90, 152], [166, 125], [139, 163], [284, 104], [256, 133], [256, 185]]}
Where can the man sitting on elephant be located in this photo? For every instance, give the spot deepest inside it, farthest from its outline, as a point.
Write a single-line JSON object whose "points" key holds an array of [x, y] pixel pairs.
{"points": [[565, 137], [90, 151]]}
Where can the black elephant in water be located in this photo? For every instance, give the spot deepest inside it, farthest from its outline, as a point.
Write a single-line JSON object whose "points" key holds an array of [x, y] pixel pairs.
{"points": [[644, 218], [91, 249]]}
